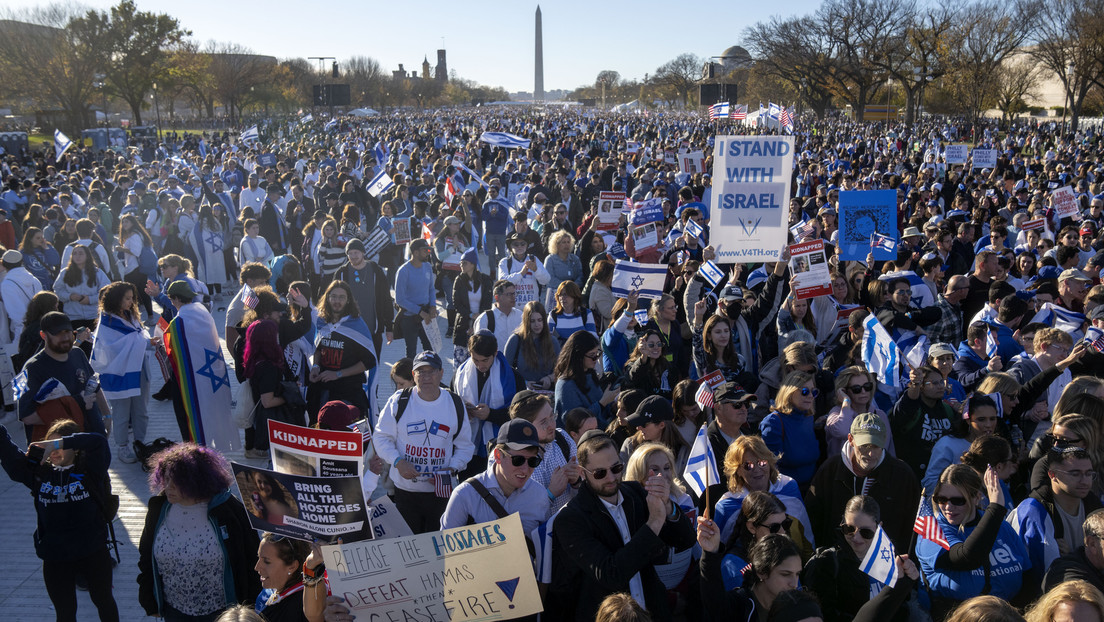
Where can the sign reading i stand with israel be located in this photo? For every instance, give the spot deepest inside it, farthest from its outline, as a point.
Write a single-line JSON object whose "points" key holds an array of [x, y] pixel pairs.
{"points": [[749, 216]]}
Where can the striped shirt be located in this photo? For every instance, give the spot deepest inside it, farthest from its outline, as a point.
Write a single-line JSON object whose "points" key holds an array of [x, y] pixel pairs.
{"points": [[563, 325]]}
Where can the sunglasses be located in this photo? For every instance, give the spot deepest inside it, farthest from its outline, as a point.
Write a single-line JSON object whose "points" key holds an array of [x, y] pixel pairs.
{"points": [[861, 388], [955, 501], [762, 464], [806, 392], [593, 357], [776, 527], [865, 532], [516, 460], [601, 473]]}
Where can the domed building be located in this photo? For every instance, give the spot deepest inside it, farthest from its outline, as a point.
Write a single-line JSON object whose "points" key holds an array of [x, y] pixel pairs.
{"points": [[733, 58]]}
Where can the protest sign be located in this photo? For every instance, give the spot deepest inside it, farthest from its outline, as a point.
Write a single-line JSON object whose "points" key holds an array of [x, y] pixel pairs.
{"points": [[714, 379], [809, 267], [645, 237], [752, 191], [1065, 202], [266, 159], [1038, 223], [862, 213], [956, 154], [317, 453], [376, 241], [402, 230], [632, 147], [644, 212], [610, 205], [386, 520], [692, 162], [301, 507], [477, 572], [670, 157], [985, 158]]}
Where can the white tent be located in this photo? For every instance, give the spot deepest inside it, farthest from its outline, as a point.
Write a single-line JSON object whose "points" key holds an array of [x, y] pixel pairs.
{"points": [[632, 106], [364, 112]]}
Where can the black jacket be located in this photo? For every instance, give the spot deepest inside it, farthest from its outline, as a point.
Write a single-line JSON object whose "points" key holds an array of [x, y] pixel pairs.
{"points": [[1072, 567], [833, 575], [600, 563], [894, 486], [239, 541], [461, 330], [385, 305]]}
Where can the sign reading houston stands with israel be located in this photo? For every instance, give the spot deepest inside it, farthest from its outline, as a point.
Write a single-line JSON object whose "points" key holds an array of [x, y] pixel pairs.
{"points": [[751, 196]]}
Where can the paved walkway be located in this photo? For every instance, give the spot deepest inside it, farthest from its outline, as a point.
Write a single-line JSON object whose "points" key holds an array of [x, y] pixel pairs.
{"points": [[22, 594]]}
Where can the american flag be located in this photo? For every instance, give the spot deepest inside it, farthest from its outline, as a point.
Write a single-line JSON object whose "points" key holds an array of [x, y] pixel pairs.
{"points": [[442, 485], [803, 230], [719, 110], [786, 119], [250, 298], [365, 429], [704, 396], [739, 112], [1098, 344], [883, 242], [927, 526]]}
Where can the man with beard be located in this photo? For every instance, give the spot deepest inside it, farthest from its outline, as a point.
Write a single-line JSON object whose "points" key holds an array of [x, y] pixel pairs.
{"points": [[61, 371]]}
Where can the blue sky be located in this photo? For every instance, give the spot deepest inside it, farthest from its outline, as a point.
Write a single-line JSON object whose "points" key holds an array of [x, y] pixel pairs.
{"points": [[489, 41]]}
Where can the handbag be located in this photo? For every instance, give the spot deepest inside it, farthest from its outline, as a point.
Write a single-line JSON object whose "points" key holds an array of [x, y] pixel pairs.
{"points": [[245, 409]]}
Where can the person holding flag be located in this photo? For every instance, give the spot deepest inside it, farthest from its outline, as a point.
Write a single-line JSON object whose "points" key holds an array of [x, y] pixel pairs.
{"points": [[967, 552], [344, 352], [920, 418], [837, 574]]}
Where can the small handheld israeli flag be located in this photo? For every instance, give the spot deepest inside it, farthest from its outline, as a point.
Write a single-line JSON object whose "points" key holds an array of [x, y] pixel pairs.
{"points": [[19, 385], [694, 228], [991, 343], [880, 562], [61, 144], [711, 273], [701, 465], [883, 242], [380, 183], [641, 316], [645, 279]]}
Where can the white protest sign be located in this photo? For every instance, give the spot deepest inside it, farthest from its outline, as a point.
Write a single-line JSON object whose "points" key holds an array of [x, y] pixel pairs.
{"points": [[956, 154], [1065, 202], [478, 572], [386, 520], [610, 206], [985, 158], [749, 218], [645, 237], [692, 163], [317, 453], [809, 267]]}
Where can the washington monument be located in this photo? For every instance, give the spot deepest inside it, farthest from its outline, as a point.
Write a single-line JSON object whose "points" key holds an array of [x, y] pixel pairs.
{"points": [[538, 63]]}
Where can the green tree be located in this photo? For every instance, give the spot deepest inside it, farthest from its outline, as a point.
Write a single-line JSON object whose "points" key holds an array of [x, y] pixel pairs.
{"points": [[137, 48]]}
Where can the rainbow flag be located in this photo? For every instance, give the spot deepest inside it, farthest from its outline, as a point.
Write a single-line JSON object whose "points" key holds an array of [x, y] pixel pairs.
{"points": [[193, 348]]}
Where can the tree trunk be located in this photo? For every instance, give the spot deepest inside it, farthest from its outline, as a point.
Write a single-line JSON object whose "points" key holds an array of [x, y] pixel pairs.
{"points": [[136, 110], [910, 101]]}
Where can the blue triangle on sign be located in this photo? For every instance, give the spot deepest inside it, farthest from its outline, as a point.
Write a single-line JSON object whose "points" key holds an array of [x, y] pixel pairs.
{"points": [[508, 587]]}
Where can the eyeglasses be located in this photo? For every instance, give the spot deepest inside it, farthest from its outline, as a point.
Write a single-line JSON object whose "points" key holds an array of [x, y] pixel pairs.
{"points": [[761, 464], [601, 473], [776, 527], [866, 532], [861, 388], [593, 357], [516, 460], [806, 392], [933, 383], [955, 501], [1089, 475], [653, 345]]}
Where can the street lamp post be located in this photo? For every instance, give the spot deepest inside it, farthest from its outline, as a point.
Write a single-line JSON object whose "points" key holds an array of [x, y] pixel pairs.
{"points": [[889, 91], [157, 108], [1068, 101], [102, 85]]}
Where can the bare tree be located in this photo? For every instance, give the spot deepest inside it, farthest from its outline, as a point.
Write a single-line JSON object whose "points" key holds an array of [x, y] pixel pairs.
{"points": [[680, 75], [44, 58], [794, 51], [236, 72], [366, 79], [1069, 42], [606, 81], [1018, 80]]}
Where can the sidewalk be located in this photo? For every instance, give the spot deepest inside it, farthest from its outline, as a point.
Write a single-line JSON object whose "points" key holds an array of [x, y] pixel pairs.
{"points": [[23, 596]]}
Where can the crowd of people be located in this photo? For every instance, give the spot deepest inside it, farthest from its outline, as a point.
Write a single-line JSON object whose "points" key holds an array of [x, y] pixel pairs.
{"points": [[570, 402]]}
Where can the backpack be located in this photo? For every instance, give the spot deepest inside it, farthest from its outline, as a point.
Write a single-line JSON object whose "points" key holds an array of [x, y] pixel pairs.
{"points": [[490, 320], [404, 401]]}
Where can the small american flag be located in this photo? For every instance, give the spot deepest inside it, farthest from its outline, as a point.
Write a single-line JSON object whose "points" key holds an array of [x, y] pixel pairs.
{"points": [[786, 119], [250, 298], [365, 429], [883, 242], [927, 525], [1098, 344], [442, 485], [704, 396], [739, 111], [803, 230]]}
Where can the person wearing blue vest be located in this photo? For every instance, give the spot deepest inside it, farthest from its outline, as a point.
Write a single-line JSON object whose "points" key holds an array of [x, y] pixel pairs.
{"points": [[415, 296]]}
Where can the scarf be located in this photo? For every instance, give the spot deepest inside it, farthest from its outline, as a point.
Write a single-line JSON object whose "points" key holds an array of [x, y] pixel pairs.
{"points": [[497, 391]]}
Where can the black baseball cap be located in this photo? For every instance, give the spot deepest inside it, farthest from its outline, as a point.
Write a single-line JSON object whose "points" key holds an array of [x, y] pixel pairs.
{"points": [[653, 409], [427, 358], [55, 322], [518, 434], [732, 392]]}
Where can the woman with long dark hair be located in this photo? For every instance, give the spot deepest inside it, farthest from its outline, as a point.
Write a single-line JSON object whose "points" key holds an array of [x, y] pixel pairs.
{"points": [[39, 256], [119, 356], [30, 341], [78, 288], [132, 238], [532, 350], [577, 382], [472, 294], [265, 370], [647, 369]]}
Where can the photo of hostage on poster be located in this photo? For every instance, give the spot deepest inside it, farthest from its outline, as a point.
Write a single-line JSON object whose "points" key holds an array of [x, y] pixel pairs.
{"points": [[477, 572], [301, 507], [809, 267], [315, 453]]}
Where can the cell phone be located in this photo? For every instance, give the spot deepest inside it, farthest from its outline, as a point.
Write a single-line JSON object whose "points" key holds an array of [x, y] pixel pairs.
{"points": [[36, 453]]}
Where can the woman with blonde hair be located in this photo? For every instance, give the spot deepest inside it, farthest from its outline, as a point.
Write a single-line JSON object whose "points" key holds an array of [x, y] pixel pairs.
{"points": [[788, 430], [855, 388], [562, 265], [1072, 600], [1070, 430], [749, 466], [985, 609], [656, 459]]}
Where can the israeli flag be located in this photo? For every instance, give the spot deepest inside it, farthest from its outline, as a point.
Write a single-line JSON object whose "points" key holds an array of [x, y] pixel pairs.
{"points": [[19, 385], [504, 139], [250, 134], [641, 316], [883, 242], [880, 562], [916, 349], [1061, 318], [774, 111], [880, 353], [991, 343], [645, 278], [380, 184], [61, 144], [694, 228], [701, 466], [307, 119], [711, 273]]}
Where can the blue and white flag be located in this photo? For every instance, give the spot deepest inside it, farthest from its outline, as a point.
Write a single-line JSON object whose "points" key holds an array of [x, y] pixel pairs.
{"points": [[250, 134], [307, 119], [880, 353], [774, 111], [711, 273], [617, 251], [645, 212], [645, 278], [701, 466], [883, 242], [1061, 318], [695, 229], [380, 183], [641, 316], [504, 139], [382, 153], [61, 144], [119, 356], [916, 349], [19, 385], [991, 343], [880, 562]]}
